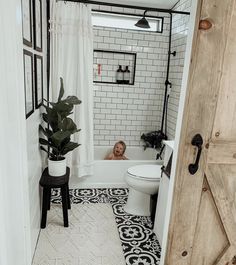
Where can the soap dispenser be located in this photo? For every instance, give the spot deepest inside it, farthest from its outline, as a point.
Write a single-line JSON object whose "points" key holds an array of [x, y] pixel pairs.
{"points": [[126, 75], [119, 75]]}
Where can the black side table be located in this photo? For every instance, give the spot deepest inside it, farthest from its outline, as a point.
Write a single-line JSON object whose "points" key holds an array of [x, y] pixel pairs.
{"points": [[48, 182]]}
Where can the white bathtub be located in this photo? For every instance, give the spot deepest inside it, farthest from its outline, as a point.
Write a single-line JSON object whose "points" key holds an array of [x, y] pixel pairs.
{"points": [[110, 173]]}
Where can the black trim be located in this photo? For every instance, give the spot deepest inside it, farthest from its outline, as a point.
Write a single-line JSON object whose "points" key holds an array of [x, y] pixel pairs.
{"points": [[134, 15], [167, 169], [48, 47], [25, 41], [167, 83], [123, 13], [48, 55], [30, 54], [37, 48], [36, 70], [128, 6]]}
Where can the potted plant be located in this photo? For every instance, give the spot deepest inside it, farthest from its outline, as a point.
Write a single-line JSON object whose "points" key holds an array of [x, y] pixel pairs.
{"points": [[58, 132]]}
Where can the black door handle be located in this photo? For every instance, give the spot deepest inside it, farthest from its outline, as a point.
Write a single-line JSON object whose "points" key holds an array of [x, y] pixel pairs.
{"points": [[196, 141]]}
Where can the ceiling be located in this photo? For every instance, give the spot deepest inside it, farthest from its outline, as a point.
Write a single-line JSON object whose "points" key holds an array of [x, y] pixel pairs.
{"points": [[166, 4]]}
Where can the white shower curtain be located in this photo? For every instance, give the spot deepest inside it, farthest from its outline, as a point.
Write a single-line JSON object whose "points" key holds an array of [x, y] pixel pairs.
{"points": [[71, 57]]}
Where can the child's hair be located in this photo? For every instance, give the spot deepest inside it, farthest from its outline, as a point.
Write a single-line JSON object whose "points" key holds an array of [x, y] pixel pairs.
{"points": [[122, 143]]}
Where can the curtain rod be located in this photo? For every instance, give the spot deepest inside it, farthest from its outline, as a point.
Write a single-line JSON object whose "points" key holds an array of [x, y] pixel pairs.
{"points": [[128, 6]]}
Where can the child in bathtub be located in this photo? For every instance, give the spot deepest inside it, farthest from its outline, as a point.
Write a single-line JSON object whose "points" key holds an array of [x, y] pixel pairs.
{"points": [[118, 152]]}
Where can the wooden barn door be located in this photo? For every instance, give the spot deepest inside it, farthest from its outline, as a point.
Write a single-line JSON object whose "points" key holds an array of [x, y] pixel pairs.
{"points": [[203, 219]]}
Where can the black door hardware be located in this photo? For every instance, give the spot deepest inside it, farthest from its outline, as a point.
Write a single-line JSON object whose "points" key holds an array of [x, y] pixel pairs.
{"points": [[196, 141]]}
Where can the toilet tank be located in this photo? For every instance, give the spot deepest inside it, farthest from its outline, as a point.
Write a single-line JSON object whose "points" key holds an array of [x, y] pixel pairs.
{"points": [[162, 195]]}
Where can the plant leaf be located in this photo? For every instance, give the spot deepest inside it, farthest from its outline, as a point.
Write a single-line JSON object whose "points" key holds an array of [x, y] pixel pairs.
{"points": [[68, 125], [41, 129], [62, 107], [43, 141], [42, 148], [48, 133], [45, 117], [61, 93], [59, 136], [72, 100], [51, 117], [69, 147], [51, 154]]}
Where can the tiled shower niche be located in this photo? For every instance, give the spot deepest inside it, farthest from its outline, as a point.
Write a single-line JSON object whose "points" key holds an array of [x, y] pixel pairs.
{"points": [[106, 64]]}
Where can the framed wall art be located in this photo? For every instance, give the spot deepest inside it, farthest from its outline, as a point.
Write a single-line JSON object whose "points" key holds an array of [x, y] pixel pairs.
{"points": [[29, 83], [26, 22], [37, 14], [38, 64]]}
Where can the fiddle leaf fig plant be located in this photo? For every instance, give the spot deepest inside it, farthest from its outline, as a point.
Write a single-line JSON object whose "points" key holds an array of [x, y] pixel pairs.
{"points": [[60, 126]]}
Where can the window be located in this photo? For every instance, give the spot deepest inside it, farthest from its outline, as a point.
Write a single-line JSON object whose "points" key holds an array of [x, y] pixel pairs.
{"points": [[124, 21]]}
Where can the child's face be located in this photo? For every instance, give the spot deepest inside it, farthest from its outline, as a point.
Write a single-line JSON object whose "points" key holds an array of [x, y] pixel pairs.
{"points": [[118, 150]]}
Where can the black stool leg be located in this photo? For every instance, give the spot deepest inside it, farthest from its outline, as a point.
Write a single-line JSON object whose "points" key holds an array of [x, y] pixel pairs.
{"points": [[49, 198], [45, 207], [64, 194], [68, 197]]}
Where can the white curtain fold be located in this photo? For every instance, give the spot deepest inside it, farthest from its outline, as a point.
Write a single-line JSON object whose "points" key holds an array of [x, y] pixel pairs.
{"points": [[71, 57]]}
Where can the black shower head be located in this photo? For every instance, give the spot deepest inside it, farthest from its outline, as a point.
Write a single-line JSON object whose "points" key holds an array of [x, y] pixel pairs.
{"points": [[143, 23]]}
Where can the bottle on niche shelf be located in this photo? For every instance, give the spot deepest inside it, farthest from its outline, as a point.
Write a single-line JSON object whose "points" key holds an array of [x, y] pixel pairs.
{"points": [[119, 75], [126, 75]]}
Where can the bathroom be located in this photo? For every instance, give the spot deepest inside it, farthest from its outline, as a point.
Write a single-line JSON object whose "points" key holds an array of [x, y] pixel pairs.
{"points": [[120, 111], [201, 215]]}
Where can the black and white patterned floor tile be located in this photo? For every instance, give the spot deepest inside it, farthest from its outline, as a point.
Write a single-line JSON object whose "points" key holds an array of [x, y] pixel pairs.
{"points": [[140, 244]]}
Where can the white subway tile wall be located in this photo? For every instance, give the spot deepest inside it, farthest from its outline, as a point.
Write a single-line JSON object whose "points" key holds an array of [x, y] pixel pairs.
{"points": [[124, 112], [179, 39]]}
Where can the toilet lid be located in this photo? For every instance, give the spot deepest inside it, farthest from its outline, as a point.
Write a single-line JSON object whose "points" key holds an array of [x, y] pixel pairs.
{"points": [[150, 172]]}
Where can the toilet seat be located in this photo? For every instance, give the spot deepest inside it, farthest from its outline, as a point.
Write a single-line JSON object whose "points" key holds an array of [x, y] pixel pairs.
{"points": [[145, 172]]}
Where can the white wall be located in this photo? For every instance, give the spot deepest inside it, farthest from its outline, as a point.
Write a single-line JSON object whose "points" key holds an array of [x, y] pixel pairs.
{"points": [[14, 200], [178, 44], [127, 111], [35, 161], [21, 161]]}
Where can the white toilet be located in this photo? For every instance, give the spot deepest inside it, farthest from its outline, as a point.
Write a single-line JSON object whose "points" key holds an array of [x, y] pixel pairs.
{"points": [[143, 181]]}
